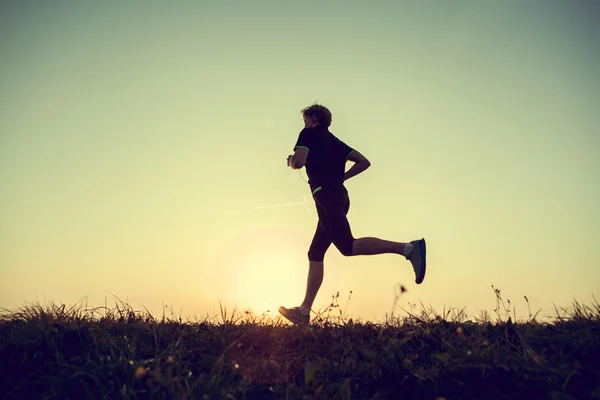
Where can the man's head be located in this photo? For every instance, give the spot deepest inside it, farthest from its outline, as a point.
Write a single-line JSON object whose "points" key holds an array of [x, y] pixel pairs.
{"points": [[316, 115]]}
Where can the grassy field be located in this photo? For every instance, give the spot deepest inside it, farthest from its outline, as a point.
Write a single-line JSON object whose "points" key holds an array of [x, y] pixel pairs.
{"points": [[55, 352]]}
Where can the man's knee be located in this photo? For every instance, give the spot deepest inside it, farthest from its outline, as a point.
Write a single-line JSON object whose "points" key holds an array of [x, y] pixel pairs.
{"points": [[314, 255], [345, 247]]}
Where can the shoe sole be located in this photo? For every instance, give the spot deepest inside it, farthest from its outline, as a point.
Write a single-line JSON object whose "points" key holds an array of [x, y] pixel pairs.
{"points": [[423, 251]]}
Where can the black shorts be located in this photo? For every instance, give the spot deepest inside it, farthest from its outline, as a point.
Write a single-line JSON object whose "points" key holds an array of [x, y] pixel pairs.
{"points": [[332, 203]]}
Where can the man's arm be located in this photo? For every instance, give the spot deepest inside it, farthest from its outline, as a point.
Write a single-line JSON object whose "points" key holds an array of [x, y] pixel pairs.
{"points": [[298, 159], [360, 164]]}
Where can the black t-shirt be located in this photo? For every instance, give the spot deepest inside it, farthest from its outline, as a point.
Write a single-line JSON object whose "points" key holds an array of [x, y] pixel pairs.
{"points": [[327, 155]]}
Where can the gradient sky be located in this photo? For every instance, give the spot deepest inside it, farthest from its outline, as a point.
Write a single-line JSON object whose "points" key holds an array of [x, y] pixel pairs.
{"points": [[143, 147]]}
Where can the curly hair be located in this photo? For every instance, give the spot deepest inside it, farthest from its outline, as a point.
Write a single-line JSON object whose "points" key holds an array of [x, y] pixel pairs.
{"points": [[321, 113]]}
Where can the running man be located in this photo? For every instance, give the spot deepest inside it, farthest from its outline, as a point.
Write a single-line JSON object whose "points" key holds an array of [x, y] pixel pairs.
{"points": [[325, 157]]}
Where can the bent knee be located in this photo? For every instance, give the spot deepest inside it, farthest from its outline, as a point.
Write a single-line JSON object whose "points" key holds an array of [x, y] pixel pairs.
{"points": [[315, 255], [316, 258], [346, 247]]}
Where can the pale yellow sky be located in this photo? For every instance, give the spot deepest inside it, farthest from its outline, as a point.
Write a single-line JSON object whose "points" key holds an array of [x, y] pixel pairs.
{"points": [[142, 150]]}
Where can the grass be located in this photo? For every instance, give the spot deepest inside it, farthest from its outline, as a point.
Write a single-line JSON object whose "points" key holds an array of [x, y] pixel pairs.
{"points": [[79, 353]]}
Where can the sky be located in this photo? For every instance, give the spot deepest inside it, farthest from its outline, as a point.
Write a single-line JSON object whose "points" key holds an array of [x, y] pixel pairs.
{"points": [[143, 148]]}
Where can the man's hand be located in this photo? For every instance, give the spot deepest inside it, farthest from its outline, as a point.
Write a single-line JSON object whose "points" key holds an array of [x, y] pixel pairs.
{"points": [[288, 160], [360, 164]]}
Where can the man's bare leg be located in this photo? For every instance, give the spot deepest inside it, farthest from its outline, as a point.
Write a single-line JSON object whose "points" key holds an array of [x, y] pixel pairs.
{"points": [[315, 278], [372, 245], [413, 251]]}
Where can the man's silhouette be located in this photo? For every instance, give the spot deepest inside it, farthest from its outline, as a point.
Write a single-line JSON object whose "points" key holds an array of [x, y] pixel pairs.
{"points": [[325, 157]]}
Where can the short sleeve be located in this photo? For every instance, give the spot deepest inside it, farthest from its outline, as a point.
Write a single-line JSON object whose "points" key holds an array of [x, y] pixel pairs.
{"points": [[304, 139], [346, 149]]}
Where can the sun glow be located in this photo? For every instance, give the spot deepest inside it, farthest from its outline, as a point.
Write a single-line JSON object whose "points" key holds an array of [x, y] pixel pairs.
{"points": [[265, 268]]}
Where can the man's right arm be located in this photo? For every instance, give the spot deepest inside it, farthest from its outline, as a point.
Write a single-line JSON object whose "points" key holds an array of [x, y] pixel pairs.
{"points": [[301, 149], [360, 164]]}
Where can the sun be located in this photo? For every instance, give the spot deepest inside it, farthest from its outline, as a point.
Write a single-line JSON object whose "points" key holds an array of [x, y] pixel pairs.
{"points": [[266, 268]]}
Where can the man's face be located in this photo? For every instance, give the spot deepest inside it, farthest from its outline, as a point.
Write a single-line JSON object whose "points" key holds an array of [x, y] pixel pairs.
{"points": [[310, 121]]}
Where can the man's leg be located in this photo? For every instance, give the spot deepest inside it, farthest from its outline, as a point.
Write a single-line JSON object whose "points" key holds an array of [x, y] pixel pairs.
{"points": [[337, 227], [316, 254], [315, 278], [371, 245], [335, 224], [414, 251]]}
